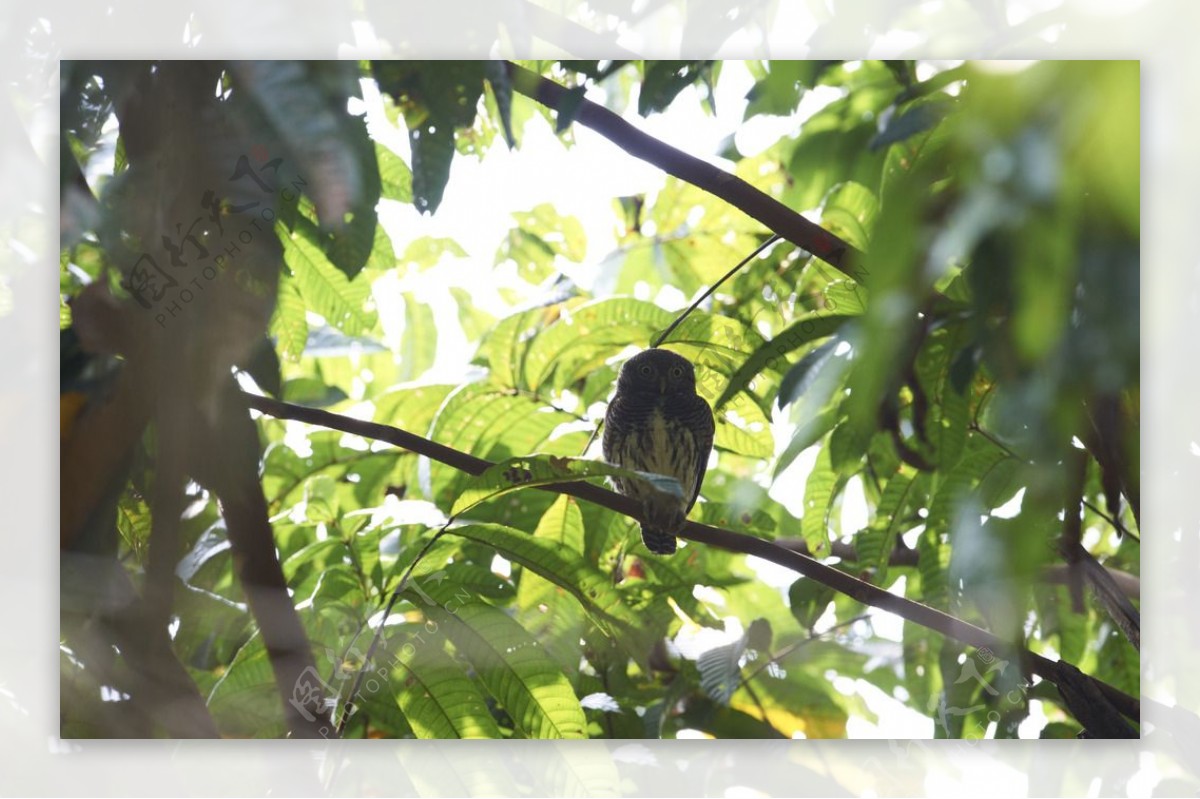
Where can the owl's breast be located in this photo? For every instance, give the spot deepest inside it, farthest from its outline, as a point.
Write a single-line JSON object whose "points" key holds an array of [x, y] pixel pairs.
{"points": [[659, 445]]}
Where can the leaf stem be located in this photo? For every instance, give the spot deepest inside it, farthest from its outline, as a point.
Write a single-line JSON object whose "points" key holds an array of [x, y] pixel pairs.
{"points": [[708, 292]]}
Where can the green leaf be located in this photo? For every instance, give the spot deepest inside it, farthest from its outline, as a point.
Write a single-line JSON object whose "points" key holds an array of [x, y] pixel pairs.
{"points": [[808, 433], [747, 518], [584, 336], [541, 235], [567, 569], [357, 238], [311, 391], [305, 105], [244, 701], [427, 251], [663, 80], [436, 97], [540, 470], [436, 696], [808, 600], [563, 523], [418, 346], [796, 702], [395, 176], [568, 106], [494, 423], [211, 543], [844, 297], [805, 373], [918, 118], [875, 543], [946, 420], [547, 609], [743, 428], [289, 324], [818, 496], [510, 663], [497, 77], [474, 321], [504, 348], [285, 473], [771, 355], [830, 151], [846, 450], [779, 91], [411, 408], [957, 484], [849, 212], [720, 721], [342, 302], [719, 670], [955, 489]]}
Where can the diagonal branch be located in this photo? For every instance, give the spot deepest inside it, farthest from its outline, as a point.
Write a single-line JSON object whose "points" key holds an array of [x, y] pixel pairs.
{"points": [[755, 203], [861, 591]]}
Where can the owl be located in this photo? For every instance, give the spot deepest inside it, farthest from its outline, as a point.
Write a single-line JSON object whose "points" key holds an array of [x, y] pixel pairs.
{"points": [[657, 423]]}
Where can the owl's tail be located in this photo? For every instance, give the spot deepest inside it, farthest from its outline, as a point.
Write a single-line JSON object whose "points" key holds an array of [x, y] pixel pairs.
{"points": [[657, 541]]}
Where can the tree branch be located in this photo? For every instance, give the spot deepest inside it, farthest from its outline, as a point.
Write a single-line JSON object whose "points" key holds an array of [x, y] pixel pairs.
{"points": [[839, 581], [776, 216], [229, 468]]}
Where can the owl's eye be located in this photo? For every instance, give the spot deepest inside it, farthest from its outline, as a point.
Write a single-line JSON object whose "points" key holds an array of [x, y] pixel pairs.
{"points": [[676, 371], [646, 370]]}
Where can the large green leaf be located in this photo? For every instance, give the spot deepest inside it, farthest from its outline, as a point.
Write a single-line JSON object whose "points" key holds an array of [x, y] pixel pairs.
{"points": [[771, 355], [875, 543], [343, 303], [818, 496], [563, 523], [545, 608], [510, 663], [289, 324], [586, 333], [395, 176], [244, 701], [742, 427], [849, 213], [945, 423], [436, 695], [504, 347], [568, 570], [493, 422]]}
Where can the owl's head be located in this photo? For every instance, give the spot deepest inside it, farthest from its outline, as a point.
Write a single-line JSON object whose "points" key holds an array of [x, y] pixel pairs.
{"points": [[658, 372]]}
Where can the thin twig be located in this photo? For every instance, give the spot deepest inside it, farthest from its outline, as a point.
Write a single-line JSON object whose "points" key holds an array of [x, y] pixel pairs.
{"points": [[1116, 523], [663, 335]]}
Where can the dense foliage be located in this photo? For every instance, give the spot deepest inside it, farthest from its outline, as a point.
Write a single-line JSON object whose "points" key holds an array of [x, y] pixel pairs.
{"points": [[949, 412]]}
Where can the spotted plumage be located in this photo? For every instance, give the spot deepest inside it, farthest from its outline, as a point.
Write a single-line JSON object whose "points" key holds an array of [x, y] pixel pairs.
{"points": [[657, 423]]}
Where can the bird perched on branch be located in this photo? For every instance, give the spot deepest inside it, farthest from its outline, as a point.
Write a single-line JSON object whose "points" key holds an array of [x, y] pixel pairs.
{"points": [[657, 423]]}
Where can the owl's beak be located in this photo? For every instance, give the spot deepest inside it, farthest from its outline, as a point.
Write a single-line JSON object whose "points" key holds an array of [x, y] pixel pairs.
{"points": [[662, 385]]}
